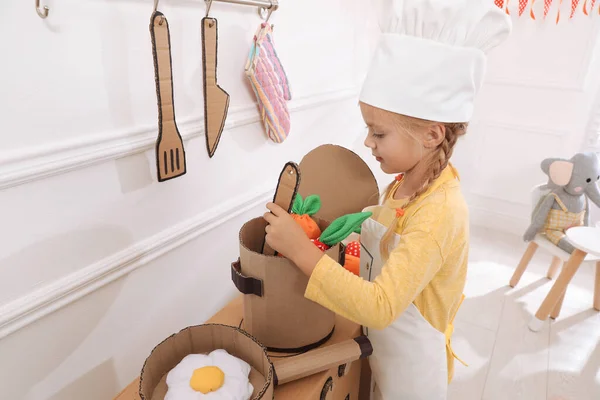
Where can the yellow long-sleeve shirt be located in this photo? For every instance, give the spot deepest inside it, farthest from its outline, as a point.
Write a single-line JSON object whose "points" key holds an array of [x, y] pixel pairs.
{"points": [[427, 268]]}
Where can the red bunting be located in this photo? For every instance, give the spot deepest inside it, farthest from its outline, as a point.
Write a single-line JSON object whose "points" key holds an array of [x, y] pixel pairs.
{"points": [[522, 5], [558, 14], [587, 8], [547, 4], [573, 7]]}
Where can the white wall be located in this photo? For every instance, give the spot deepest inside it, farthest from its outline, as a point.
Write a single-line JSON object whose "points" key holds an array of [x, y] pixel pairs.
{"points": [[99, 262], [537, 102]]}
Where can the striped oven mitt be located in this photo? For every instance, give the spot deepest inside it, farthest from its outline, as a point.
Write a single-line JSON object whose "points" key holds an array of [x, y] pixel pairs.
{"points": [[270, 84]]}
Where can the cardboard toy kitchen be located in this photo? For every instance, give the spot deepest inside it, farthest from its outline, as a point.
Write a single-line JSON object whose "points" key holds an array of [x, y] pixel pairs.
{"points": [[283, 336]]}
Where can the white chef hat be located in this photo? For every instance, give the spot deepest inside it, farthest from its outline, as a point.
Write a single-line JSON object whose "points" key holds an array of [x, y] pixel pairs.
{"points": [[431, 58]]}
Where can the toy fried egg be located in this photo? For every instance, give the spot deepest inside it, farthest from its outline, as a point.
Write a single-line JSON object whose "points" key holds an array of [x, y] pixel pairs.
{"points": [[216, 376]]}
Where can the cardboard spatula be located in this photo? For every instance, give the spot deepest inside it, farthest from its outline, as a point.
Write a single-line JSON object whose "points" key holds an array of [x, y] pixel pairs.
{"points": [[216, 100], [170, 154], [287, 187]]}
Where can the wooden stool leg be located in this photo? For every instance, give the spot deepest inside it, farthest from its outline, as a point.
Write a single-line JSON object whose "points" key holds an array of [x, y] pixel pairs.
{"points": [[527, 256], [556, 264], [597, 288], [560, 286], [556, 311]]}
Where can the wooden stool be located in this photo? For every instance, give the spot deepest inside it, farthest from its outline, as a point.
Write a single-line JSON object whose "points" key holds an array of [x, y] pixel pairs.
{"points": [[559, 258], [586, 241]]}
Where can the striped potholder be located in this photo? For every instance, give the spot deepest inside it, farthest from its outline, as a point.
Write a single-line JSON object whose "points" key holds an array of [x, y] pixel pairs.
{"points": [[270, 84]]}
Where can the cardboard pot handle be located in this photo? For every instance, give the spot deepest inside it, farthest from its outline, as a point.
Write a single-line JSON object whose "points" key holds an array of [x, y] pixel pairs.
{"points": [[287, 188], [321, 359], [245, 284]]}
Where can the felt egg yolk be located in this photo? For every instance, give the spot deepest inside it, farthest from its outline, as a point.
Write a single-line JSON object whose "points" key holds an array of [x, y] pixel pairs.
{"points": [[207, 379]]}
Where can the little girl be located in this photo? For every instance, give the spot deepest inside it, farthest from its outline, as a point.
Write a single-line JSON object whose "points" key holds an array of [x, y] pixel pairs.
{"points": [[416, 100]]}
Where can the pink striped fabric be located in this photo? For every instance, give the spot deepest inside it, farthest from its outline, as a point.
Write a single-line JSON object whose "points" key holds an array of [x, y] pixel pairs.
{"points": [[270, 84]]}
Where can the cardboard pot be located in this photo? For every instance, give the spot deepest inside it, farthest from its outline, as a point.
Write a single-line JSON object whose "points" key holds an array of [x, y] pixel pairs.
{"points": [[275, 309], [264, 376], [203, 339]]}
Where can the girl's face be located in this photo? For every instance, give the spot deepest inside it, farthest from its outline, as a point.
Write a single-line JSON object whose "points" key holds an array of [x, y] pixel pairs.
{"points": [[390, 142]]}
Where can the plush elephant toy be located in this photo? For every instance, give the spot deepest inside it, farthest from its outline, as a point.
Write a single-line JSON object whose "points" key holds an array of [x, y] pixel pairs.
{"points": [[566, 205]]}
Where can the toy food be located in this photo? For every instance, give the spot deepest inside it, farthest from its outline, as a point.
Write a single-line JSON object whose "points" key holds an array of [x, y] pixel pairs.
{"points": [[302, 212], [339, 230], [352, 258], [216, 376], [343, 227]]}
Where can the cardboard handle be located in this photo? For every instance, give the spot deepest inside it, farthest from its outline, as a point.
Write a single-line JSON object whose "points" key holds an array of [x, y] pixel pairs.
{"points": [[245, 284], [287, 187], [161, 45], [322, 359]]}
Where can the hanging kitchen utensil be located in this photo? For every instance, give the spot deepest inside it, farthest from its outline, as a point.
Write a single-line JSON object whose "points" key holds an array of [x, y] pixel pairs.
{"points": [[216, 100], [270, 84], [170, 154], [287, 187]]}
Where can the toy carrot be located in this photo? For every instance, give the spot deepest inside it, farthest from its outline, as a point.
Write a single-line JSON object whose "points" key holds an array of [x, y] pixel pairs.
{"points": [[302, 212]]}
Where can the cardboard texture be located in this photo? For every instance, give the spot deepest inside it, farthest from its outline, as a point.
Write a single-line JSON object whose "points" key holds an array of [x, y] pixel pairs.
{"points": [[203, 339], [327, 385], [216, 100], [282, 318], [287, 187], [326, 357], [170, 153], [339, 359], [344, 181]]}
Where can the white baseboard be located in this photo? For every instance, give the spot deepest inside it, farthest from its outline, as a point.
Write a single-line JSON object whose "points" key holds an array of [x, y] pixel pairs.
{"points": [[32, 164], [49, 298]]}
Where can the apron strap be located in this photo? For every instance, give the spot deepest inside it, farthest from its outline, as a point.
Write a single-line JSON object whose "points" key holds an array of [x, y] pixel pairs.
{"points": [[560, 203], [450, 331]]}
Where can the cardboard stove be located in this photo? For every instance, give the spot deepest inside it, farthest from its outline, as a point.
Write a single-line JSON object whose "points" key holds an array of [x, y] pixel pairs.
{"points": [[277, 316]]}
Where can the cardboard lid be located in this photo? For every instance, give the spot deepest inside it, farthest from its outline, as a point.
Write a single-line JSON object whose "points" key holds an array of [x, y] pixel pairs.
{"points": [[341, 178]]}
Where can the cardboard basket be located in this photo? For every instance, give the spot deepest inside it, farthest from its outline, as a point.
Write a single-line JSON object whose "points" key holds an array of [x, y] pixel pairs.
{"points": [[264, 375], [275, 309], [203, 339]]}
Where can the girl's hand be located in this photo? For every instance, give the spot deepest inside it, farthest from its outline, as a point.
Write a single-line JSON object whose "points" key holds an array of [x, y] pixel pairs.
{"points": [[285, 236]]}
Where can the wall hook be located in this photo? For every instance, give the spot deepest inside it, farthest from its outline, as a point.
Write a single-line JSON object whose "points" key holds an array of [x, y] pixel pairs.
{"points": [[266, 12], [42, 12]]}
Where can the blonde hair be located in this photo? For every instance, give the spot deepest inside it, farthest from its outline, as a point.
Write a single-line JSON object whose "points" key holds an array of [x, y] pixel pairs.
{"points": [[437, 163]]}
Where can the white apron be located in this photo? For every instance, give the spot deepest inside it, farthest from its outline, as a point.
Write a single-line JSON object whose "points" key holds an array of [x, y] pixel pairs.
{"points": [[409, 356]]}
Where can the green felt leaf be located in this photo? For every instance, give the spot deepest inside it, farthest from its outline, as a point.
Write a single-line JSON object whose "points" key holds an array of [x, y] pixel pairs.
{"points": [[312, 205], [297, 206], [342, 227]]}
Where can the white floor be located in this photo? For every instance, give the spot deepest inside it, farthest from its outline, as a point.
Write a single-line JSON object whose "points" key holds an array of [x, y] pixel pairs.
{"points": [[508, 361]]}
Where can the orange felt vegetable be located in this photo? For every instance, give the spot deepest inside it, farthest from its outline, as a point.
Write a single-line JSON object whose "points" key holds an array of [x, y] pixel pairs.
{"points": [[309, 226], [303, 210]]}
